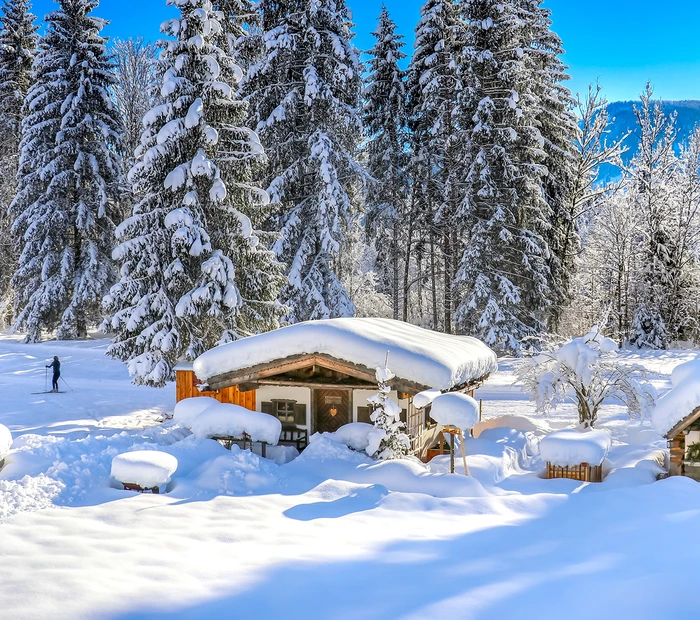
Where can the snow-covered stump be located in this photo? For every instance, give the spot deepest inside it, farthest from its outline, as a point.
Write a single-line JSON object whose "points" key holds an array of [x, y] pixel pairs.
{"points": [[5, 444], [229, 424], [144, 470], [576, 455]]}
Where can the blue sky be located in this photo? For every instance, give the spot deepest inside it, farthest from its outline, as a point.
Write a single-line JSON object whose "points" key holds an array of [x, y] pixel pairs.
{"points": [[622, 43]]}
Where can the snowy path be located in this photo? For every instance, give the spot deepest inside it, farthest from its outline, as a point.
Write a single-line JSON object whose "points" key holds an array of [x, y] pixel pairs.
{"points": [[329, 535]]}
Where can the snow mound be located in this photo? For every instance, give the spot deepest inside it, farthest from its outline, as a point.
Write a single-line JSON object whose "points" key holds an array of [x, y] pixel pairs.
{"points": [[5, 441], [223, 420], [517, 422], [189, 408], [680, 400], [418, 355], [685, 371], [147, 468], [240, 472], [455, 409], [572, 447], [354, 435]]}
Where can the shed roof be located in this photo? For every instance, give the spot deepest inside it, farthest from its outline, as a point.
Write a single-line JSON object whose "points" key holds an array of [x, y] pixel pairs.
{"points": [[416, 355], [673, 409]]}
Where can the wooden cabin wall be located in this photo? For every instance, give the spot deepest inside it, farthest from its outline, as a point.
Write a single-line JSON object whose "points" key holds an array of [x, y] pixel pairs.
{"points": [[186, 387]]}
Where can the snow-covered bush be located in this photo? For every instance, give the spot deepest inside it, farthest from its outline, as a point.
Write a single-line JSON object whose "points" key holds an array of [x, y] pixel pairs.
{"points": [[387, 440], [586, 371]]}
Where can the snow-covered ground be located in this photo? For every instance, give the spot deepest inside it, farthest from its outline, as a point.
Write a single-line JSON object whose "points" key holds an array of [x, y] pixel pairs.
{"points": [[331, 534]]}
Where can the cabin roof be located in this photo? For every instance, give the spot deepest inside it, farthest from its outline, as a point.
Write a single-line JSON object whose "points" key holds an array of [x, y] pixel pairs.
{"points": [[675, 408], [417, 357]]}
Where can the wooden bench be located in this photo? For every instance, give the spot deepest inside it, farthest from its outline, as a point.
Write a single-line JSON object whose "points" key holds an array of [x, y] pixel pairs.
{"points": [[294, 436]]}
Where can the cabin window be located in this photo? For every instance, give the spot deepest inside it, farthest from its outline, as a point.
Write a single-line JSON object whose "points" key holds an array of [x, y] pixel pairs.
{"points": [[284, 410], [289, 412]]}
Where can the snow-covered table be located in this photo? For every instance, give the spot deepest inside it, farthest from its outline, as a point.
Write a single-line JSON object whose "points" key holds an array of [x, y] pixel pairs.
{"points": [[229, 424], [144, 470], [575, 454]]}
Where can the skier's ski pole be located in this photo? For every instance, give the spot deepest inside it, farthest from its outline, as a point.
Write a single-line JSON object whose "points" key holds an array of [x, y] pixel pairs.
{"points": [[68, 386], [46, 379]]}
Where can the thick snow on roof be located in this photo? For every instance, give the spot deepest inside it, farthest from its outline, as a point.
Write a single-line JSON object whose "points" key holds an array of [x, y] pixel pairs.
{"points": [[572, 447], [455, 409], [147, 468], [680, 400], [428, 358]]}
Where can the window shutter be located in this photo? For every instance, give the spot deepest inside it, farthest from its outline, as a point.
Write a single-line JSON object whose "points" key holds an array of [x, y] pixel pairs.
{"points": [[267, 408], [300, 414]]}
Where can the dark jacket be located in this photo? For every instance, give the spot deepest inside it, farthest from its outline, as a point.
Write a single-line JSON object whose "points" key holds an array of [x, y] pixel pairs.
{"points": [[56, 365]]}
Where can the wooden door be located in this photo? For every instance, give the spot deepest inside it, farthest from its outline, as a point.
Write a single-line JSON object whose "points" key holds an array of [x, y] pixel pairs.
{"points": [[331, 409]]}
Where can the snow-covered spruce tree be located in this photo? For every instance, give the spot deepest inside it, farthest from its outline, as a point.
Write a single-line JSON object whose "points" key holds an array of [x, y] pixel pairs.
{"points": [[18, 44], [68, 178], [304, 96], [503, 274], [386, 129], [649, 178], [434, 87], [554, 112], [193, 270], [387, 440], [238, 19]]}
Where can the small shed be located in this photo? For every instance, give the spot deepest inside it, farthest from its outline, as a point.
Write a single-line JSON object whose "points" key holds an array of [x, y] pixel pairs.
{"points": [[677, 418], [317, 376]]}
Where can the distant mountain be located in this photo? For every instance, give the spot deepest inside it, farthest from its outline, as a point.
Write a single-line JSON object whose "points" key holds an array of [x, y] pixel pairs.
{"points": [[623, 120]]}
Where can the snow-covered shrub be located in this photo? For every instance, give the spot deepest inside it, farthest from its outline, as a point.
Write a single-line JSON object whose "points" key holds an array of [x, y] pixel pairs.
{"points": [[586, 371], [387, 440]]}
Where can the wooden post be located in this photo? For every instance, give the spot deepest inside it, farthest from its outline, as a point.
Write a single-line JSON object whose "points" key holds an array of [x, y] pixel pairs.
{"points": [[481, 407], [464, 455], [452, 453]]}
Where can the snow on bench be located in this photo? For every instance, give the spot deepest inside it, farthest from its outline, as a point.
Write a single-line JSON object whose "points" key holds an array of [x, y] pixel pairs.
{"points": [[224, 420], [5, 443], [143, 470], [570, 447], [189, 408], [455, 409]]}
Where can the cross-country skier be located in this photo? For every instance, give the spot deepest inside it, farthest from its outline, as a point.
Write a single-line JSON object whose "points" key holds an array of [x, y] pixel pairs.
{"points": [[56, 365]]}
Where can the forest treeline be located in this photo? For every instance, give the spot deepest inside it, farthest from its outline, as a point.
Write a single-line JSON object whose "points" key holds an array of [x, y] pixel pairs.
{"points": [[253, 169]]}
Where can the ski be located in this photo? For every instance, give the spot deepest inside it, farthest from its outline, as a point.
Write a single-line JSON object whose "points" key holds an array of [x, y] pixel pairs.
{"points": [[50, 392]]}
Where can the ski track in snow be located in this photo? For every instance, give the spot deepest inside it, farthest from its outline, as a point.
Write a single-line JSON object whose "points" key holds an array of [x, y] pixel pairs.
{"points": [[331, 534]]}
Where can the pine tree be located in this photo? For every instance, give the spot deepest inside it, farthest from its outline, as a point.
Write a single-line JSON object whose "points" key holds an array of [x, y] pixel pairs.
{"points": [[305, 104], [194, 269], [68, 178], [434, 86], [554, 112], [18, 43], [503, 275], [387, 440], [386, 131], [238, 19]]}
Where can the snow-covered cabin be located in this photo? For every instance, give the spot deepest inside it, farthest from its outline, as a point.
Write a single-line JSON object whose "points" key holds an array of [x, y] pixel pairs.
{"points": [[677, 417], [317, 376]]}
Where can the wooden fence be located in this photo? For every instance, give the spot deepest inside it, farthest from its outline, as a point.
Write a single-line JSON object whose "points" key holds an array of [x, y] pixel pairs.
{"points": [[583, 472]]}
